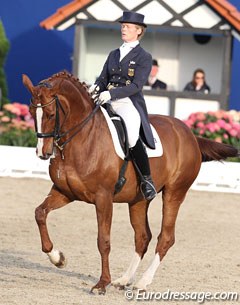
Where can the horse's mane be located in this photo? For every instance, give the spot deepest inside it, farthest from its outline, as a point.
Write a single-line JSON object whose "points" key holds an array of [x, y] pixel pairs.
{"points": [[68, 76]]}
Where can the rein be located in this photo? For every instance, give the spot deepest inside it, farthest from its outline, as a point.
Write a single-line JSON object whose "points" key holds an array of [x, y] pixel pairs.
{"points": [[79, 126]]}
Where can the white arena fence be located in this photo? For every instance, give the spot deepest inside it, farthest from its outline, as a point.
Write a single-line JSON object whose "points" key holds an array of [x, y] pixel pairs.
{"points": [[23, 162]]}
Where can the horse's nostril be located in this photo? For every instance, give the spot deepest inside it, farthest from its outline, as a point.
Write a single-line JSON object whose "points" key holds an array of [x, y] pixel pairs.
{"points": [[45, 157]]}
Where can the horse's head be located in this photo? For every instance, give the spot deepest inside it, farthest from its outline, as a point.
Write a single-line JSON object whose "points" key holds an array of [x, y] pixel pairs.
{"points": [[52, 101], [44, 103]]}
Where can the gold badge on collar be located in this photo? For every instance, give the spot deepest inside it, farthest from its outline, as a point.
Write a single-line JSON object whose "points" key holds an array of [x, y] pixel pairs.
{"points": [[130, 72]]}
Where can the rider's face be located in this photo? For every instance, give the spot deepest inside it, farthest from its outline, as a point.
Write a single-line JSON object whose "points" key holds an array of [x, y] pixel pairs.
{"points": [[130, 32]]}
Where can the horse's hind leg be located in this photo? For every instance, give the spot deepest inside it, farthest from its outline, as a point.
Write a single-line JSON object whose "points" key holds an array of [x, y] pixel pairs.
{"points": [[172, 200], [139, 222], [53, 201]]}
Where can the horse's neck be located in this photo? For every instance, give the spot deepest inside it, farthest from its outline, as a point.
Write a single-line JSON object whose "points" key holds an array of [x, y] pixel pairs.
{"points": [[81, 117], [79, 107]]}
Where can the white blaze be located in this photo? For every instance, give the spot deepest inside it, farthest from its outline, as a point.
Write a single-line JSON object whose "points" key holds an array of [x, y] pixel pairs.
{"points": [[39, 114]]}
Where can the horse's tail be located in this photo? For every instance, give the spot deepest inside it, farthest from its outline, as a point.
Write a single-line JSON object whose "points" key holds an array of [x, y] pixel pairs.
{"points": [[212, 150]]}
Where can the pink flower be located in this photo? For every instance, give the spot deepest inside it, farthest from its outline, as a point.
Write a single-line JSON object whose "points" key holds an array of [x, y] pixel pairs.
{"points": [[8, 107], [228, 126], [221, 123], [5, 119], [28, 117], [211, 127], [216, 126], [218, 139], [200, 116], [233, 132], [189, 123], [200, 124]]}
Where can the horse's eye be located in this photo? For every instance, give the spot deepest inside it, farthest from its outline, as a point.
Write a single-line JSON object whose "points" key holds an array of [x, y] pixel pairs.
{"points": [[51, 116]]}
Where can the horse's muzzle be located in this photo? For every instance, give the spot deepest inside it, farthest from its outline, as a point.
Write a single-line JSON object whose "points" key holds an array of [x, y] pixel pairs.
{"points": [[45, 157]]}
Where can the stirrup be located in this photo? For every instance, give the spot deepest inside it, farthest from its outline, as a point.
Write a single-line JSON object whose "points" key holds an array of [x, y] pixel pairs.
{"points": [[147, 188]]}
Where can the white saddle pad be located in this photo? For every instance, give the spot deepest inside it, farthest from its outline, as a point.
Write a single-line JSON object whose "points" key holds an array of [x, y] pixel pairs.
{"points": [[157, 152]]}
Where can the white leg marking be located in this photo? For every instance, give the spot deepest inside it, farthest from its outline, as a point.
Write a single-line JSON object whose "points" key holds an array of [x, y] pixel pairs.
{"points": [[39, 129], [149, 273], [128, 276], [54, 256]]}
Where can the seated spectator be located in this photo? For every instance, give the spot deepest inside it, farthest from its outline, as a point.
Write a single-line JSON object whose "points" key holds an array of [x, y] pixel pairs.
{"points": [[153, 81], [198, 83]]}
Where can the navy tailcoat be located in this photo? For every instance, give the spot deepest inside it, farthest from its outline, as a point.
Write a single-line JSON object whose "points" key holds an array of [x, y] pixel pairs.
{"points": [[128, 78]]}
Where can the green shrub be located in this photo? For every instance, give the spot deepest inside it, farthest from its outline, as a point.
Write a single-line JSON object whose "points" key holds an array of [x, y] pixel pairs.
{"points": [[4, 47]]}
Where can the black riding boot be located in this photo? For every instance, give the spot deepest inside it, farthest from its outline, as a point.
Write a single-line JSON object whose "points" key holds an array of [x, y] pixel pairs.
{"points": [[140, 158]]}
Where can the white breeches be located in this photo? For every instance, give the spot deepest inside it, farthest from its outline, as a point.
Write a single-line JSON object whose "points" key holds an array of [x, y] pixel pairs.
{"points": [[125, 108]]}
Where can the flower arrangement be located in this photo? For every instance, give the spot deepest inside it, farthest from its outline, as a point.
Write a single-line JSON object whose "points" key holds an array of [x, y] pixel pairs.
{"points": [[16, 126], [220, 126]]}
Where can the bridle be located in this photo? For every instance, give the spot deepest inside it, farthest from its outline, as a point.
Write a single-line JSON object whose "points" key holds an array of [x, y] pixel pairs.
{"points": [[56, 133]]}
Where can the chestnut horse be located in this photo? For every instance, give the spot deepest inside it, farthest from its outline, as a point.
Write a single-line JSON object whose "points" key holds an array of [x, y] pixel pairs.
{"points": [[84, 166]]}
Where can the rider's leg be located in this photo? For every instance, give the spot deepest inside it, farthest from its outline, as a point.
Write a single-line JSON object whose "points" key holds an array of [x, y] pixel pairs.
{"points": [[125, 108], [138, 153]]}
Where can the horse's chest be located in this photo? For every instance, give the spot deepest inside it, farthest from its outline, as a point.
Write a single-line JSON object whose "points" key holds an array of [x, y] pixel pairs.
{"points": [[67, 179], [59, 173]]}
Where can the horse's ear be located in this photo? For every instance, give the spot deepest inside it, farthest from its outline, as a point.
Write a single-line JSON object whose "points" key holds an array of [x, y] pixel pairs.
{"points": [[27, 83]]}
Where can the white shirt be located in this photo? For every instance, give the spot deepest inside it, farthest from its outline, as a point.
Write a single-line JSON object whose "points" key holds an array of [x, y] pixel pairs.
{"points": [[126, 47]]}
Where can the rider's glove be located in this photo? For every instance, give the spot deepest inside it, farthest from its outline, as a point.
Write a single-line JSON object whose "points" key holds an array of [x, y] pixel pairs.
{"points": [[104, 97], [93, 89]]}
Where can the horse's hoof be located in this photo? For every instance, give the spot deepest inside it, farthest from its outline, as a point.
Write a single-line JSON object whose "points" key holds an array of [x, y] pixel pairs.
{"points": [[118, 286], [100, 290], [121, 283], [62, 262], [141, 290], [57, 258]]}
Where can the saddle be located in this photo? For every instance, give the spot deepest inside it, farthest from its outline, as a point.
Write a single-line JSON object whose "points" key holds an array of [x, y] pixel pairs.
{"points": [[120, 126], [121, 129]]}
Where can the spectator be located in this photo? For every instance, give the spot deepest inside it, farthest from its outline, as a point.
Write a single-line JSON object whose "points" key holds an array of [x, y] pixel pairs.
{"points": [[198, 83], [153, 81]]}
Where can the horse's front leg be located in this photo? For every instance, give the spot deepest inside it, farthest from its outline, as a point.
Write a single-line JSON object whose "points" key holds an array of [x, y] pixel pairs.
{"points": [[53, 201], [104, 220]]}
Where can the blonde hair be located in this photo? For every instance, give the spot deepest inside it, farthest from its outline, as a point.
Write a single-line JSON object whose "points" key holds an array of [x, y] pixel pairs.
{"points": [[140, 36]]}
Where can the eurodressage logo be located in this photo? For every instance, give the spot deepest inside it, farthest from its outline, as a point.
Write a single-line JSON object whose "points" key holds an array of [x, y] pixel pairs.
{"points": [[199, 297]]}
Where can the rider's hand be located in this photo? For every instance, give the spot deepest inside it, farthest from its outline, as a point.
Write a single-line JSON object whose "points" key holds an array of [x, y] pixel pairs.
{"points": [[104, 97], [93, 89]]}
